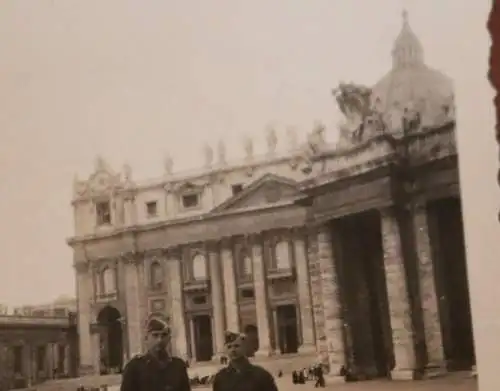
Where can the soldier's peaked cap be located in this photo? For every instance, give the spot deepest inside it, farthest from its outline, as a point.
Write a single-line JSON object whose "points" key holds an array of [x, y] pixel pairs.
{"points": [[158, 325], [230, 337]]}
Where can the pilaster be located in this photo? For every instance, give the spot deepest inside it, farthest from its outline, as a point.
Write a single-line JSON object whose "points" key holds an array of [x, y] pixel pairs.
{"points": [[304, 293], [217, 293], [261, 297], [230, 289], [174, 270], [436, 363], [331, 302], [398, 296], [132, 304], [316, 293], [85, 295]]}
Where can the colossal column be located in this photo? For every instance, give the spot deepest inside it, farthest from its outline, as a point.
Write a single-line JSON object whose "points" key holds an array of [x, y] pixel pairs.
{"points": [[398, 295], [174, 271], [132, 304], [430, 308], [261, 304], [217, 291], [85, 295], [332, 308], [230, 291], [304, 292]]}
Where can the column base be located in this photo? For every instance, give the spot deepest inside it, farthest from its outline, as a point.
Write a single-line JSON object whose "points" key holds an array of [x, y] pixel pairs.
{"points": [[307, 349], [434, 371], [86, 370], [473, 371], [402, 374], [334, 378]]}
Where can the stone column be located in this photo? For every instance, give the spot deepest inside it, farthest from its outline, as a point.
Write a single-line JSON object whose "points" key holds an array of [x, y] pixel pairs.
{"points": [[397, 292], [304, 292], [178, 318], [217, 291], [85, 295], [132, 303], [331, 302], [49, 353], [276, 331], [192, 339], [230, 289], [261, 303], [67, 359], [430, 303], [96, 352]]}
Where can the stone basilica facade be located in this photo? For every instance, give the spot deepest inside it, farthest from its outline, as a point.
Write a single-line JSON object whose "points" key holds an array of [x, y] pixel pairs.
{"points": [[353, 251]]}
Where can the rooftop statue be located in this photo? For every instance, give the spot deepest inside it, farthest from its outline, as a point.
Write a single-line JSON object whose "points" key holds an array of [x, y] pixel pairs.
{"points": [[272, 140], [221, 152], [168, 164], [353, 101], [208, 153], [248, 145]]}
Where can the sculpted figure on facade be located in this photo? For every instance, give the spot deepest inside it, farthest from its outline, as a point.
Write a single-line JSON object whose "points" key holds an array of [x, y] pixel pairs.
{"points": [[291, 134], [168, 164], [248, 145], [272, 140], [208, 154], [221, 152]]}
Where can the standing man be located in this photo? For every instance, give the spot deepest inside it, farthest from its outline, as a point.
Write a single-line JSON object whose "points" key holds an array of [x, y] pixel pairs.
{"points": [[240, 374], [156, 370]]}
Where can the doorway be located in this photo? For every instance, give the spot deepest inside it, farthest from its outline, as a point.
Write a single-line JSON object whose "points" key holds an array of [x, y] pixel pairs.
{"points": [[203, 337], [452, 286], [111, 340], [358, 252], [287, 328]]}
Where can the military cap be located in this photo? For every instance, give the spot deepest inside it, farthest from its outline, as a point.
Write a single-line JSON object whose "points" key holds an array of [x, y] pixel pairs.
{"points": [[230, 337], [158, 326]]}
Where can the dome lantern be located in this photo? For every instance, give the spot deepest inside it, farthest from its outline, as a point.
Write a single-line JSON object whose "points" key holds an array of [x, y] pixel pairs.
{"points": [[407, 49]]}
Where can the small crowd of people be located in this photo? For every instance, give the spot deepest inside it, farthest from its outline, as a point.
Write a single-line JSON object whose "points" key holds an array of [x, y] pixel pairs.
{"points": [[314, 372]]}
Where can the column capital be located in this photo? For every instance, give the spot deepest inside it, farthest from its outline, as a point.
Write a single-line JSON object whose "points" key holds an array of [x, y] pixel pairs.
{"points": [[226, 243], [132, 257], [81, 267], [155, 253], [212, 246], [174, 252]]}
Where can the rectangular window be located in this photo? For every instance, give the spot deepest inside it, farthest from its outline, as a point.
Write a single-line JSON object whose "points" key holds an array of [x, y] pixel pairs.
{"points": [[152, 209], [103, 212], [190, 200], [247, 294], [237, 188], [198, 300]]}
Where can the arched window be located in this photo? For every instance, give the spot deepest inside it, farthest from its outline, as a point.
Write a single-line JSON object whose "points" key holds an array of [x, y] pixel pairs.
{"points": [[108, 282], [156, 276], [282, 254], [199, 267]]}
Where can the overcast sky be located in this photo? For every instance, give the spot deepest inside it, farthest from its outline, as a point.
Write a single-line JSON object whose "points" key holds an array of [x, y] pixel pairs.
{"points": [[134, 79]]}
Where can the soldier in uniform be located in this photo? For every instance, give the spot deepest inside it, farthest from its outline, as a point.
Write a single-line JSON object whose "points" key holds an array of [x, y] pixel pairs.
{"points": [[156, 370], [240, 374]]}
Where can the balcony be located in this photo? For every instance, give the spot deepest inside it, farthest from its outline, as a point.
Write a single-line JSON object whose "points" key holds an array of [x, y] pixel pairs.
{"points": [[196, 285], [281, 274]]}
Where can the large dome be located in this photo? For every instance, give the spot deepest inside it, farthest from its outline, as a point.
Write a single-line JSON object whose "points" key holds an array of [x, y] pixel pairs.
{"points": [[411, 85]]}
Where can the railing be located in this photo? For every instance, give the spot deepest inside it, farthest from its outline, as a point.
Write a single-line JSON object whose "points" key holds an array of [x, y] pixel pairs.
{"points": [[34, 320]]}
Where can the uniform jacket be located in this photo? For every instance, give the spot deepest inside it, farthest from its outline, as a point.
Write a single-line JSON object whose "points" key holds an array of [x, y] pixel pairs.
{"points": [[248, 378], [147, 373]]}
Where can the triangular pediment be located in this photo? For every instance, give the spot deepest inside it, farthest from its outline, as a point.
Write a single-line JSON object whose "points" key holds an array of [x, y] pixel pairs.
{"points": [[267, 190]]}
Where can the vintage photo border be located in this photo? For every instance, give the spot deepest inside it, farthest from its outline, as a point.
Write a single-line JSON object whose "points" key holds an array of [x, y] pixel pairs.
{"points": [[494, 65]]}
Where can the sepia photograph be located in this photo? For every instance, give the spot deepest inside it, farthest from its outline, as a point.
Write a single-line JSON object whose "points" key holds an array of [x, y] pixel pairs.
{"points": [[249, 195]]}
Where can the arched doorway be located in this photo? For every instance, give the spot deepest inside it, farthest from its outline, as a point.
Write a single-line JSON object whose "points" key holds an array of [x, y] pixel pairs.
{"points": [[111, 340], [253, 339]]}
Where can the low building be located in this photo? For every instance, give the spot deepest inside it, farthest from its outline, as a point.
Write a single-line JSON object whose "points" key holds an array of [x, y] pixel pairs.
{"points": [[34, 349], [353, 251]]}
